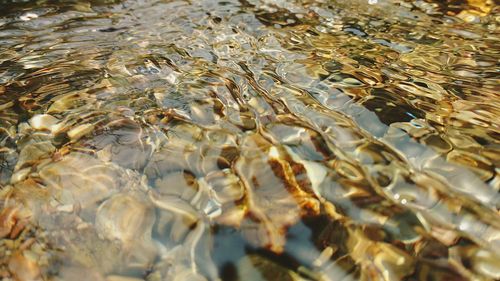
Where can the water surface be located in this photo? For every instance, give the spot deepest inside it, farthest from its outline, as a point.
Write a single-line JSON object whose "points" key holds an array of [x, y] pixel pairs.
{"points": [[249, 140]]}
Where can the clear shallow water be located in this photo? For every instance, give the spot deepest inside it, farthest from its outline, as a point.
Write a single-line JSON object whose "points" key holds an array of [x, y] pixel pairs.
{"points": [[249, 140]]}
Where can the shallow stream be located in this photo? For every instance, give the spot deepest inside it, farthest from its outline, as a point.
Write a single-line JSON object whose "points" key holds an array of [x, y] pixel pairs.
{"points": [[249, 140]]}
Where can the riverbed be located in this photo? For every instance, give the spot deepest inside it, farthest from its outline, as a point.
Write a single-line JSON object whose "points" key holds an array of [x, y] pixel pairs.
{"points": [[249, 140]]}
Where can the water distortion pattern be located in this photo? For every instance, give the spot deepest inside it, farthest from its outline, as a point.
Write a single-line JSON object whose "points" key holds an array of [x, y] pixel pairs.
{"points": [[249, 140]]}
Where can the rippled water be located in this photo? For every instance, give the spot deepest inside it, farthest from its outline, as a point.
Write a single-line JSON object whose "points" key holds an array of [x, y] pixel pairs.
{"points": [[249, 140]]}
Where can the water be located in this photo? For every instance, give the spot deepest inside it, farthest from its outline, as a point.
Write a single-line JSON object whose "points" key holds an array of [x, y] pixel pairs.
{"points": [[249, 140]]}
